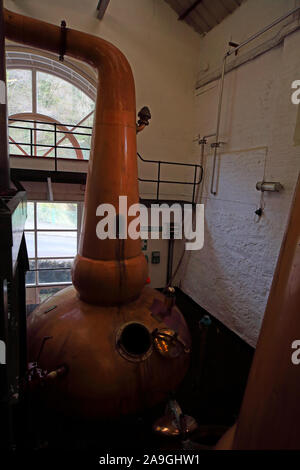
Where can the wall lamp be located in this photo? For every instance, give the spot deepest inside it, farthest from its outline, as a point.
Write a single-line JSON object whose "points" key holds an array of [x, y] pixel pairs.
{"points": [[268, 186]]}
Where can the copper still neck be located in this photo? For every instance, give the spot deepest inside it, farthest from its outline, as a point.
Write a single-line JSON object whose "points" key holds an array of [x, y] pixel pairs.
{"points": [[109, 271]]}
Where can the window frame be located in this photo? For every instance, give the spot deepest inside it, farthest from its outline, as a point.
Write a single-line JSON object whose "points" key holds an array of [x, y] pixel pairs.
{"points": [[34, 114], [36, 258]]}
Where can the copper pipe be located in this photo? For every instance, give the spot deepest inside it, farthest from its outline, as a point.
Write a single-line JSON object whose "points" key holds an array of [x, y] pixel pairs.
{"points": [[105, 271]]}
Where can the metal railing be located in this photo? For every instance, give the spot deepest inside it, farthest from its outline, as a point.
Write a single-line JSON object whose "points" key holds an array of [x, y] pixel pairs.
{"points": [[158, 181], [55, 146], [55, 131]]}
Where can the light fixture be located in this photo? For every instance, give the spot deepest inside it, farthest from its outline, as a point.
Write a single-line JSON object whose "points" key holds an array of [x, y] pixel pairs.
{"points": [[269, 186]]}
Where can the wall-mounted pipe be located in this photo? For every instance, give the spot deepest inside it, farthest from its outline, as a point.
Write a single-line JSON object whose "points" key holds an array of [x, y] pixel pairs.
{"points": [[264, 30], [202, 141], [216, 145], [112, 270]]}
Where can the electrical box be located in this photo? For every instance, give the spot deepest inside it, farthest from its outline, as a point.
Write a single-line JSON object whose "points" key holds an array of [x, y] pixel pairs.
{"points": [[155, 259]]}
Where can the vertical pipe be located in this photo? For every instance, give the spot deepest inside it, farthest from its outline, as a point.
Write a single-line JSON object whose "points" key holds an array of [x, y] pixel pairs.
{"points": [[217, 143], [4, 156], [158, 181], [194, 185]]}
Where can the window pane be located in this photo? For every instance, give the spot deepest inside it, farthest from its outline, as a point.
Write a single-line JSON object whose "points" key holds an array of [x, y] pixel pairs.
{"points": [[22, 137], [30, 275], [19, 91], [47, 292], [56, 216], [54, 276], [68, 152], [29, 237], [49, 272], [56, 244], [44, 138], [54, 263], [29, 224], [61, 100], [16, 150]]}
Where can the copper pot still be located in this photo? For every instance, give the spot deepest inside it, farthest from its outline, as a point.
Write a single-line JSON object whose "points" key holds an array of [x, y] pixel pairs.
{"points": [[121, 345]]}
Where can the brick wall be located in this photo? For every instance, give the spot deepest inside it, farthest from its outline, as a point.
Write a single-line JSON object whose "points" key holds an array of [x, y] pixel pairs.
{"points": [[231, 276]]}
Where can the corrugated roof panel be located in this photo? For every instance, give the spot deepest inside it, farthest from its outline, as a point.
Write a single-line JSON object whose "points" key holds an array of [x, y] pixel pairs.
{"points": [[206, 14], [223, 10], [199, 21], [230, 5], [197, 24], [203, 15], [214, 10]]}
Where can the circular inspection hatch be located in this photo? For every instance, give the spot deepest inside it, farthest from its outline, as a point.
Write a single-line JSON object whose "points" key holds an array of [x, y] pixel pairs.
{"points": [[134, 341]]}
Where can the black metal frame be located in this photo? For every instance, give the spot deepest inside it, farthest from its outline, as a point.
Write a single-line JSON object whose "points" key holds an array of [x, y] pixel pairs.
{"points": [[159, 163], [14, 264]]}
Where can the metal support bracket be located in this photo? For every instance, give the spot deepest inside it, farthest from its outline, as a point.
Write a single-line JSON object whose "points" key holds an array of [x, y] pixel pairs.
{"points": [[63, 40]]}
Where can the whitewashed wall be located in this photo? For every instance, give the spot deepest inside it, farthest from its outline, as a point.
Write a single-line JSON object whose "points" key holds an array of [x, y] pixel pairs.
{"points": [[231, 275]]}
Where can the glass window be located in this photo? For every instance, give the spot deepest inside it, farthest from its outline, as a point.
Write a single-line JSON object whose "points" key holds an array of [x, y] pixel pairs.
{"points": [[54, 263], [57, 99], [46, 292], [44, 138], [61, 100], [29, 224], [56, 216], [53, 276], [52, 271], [54, 227], [56, 244], [31, 274], [22, 135], [19, 91], [30, 242]]}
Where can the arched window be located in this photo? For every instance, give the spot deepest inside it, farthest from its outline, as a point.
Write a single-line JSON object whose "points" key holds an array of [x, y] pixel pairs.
{"points": [[42, 95]]}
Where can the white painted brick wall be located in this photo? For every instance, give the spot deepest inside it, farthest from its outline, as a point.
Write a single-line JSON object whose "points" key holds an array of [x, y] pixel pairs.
{"points": [[232, 274]]}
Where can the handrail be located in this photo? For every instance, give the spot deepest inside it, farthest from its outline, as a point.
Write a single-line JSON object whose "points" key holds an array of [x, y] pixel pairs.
{"points": [[198, 169], [34, 121], [159, 180]]}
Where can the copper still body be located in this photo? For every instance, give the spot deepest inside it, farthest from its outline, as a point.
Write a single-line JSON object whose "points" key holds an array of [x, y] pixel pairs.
{"points": [[122, 345]]}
